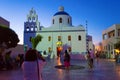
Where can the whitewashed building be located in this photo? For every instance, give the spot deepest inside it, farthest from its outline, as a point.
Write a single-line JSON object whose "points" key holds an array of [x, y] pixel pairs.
{"points": [[111, 36], [60, 35]]}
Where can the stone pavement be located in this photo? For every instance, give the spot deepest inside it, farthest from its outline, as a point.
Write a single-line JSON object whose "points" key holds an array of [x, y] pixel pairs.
{"points": [[105, 69]]}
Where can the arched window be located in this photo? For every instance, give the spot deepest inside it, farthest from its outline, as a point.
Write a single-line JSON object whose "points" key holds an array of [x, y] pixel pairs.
{"points": [[49, 38], [33, 18], [36, 28], [27, 28], [32, 29], [53, 21], [69, 38], [59, 38], [79, 37], [68, 20], [60, 20], [30, 39], [49, 49], [69, 49], [29, 19]]}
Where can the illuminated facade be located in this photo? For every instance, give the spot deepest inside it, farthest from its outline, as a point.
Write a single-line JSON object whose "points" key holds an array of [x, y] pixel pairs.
{"points": [[110, 37], [61, 34]]}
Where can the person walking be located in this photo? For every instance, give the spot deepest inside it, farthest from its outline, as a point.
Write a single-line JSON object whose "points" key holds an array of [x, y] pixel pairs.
{"points": [[88, 57], [33, 65], [97, 56]]}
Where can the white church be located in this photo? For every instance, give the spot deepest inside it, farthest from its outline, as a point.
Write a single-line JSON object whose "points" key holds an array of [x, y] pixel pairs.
{"points": [[61, 35]]}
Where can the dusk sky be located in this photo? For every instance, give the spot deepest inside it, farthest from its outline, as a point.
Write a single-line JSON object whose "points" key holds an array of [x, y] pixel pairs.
{"points": [[100, 14]]}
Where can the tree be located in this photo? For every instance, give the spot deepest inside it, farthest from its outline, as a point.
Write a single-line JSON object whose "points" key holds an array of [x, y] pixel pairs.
{"points": [[8, 38], [36, 40]]}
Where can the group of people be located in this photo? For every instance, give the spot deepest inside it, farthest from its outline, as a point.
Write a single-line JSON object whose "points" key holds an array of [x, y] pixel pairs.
{"points": [[6, 62], [34, 63], [64, 58]]}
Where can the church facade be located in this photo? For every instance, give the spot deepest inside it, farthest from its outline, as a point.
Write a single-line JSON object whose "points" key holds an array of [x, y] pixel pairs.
{"points": [[61, 35]]}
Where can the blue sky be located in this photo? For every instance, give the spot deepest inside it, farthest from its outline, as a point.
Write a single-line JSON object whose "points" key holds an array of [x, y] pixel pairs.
{"points": [[100, 14]]}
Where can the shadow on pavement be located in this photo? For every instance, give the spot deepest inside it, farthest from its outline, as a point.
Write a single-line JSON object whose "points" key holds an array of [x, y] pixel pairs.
{"points": [[72, 67]]}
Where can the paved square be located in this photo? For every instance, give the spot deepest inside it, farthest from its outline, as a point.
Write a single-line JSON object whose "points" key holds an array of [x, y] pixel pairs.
{"points": [[106, 69]]}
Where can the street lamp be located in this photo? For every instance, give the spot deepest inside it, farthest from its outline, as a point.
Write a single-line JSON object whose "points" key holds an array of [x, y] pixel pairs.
{"points": [[59, 43]]}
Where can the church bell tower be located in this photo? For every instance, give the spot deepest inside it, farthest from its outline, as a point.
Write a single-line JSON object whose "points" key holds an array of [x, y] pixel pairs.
{"points": [[31, 26]]}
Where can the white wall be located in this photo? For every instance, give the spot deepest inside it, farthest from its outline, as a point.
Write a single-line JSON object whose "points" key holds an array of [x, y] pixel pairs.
{"points": [[77, 46]]}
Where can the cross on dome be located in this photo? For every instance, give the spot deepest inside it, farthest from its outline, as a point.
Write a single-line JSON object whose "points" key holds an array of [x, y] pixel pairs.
{"points": [[61, 8]]}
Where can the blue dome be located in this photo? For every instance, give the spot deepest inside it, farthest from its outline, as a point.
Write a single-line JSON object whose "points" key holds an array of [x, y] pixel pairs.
{"points": [[61, 13]]}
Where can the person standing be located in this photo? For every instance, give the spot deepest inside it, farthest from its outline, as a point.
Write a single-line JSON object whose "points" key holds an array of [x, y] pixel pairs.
{"points": [[92, 57], [8, 60], [88, 57], [33, 65], [66, 60], [97, 56]]}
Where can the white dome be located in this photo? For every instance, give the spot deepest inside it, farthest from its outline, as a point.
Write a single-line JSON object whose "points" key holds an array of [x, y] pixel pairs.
{"points": [[61, 18]]}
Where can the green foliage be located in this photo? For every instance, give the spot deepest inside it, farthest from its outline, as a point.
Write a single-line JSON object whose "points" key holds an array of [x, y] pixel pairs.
{"points": [[36, 40], [8, 37]]}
